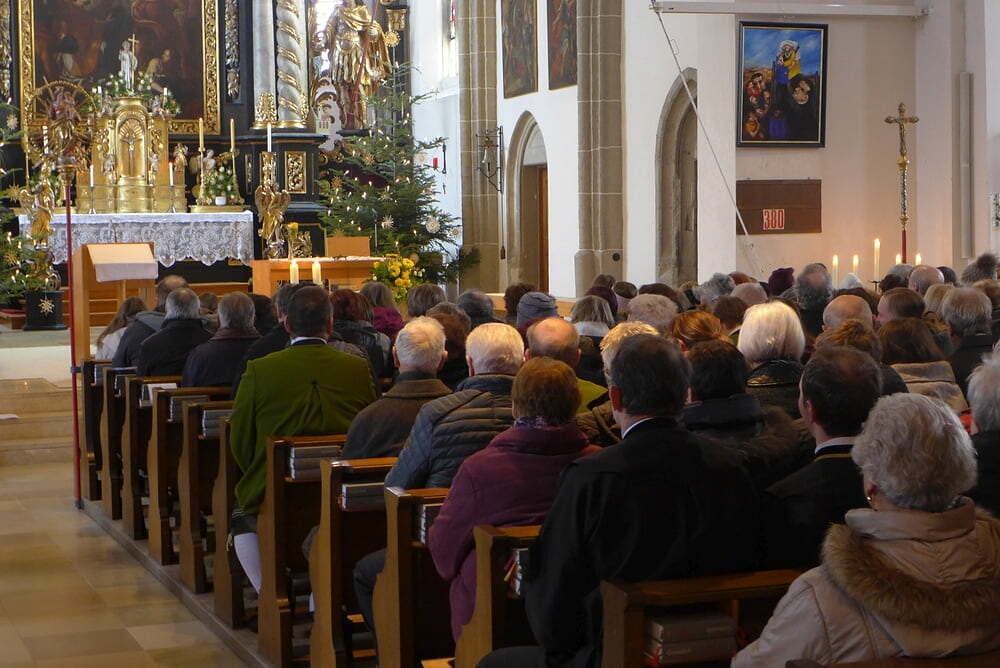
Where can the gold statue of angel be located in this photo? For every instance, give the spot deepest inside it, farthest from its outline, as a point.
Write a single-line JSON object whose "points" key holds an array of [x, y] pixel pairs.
{"points": [[39, 205], [271, 207]]}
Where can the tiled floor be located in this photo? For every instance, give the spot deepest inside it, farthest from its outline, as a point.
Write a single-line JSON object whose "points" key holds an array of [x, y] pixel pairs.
{"points": [[71, 596]]}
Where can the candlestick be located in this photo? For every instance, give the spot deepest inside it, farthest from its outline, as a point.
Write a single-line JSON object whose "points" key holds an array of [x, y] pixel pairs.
{"points": [[232, 135], [93, 208], [201, 134], [171, 173], [919, 260], [92, 176], [317, 272], [836, 270], [854, 264], [268, 137], [293, 272], [878, 249], [45, 138], [899, 259]]}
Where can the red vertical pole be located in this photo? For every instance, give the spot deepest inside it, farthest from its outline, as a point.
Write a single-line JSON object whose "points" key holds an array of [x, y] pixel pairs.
{"points": [[74, 365], [904, 245]]}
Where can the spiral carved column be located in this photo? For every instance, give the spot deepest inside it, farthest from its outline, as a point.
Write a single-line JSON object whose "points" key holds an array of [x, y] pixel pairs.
{"points": [[291, 60]]}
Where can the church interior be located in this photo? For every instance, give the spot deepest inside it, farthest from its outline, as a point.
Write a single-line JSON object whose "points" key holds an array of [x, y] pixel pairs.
{"points": [[457, 333]]}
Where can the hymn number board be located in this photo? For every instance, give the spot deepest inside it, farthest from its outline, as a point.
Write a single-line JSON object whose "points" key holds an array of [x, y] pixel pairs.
{"points": [[781, 206]]}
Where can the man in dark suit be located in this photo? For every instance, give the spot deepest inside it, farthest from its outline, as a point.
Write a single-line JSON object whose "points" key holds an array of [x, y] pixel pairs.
{"points": [[839, 387], [165, 352], [663, 503]]}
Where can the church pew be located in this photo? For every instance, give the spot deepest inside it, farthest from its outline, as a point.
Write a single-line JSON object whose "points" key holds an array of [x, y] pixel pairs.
{"points": [[345, 535], [92, 375], [196, 474], [162, 459], [626, 604], [112, 424], [227, 576], [135, 437], [989, 660], [411, 604], [291, 508], [499, 619]]}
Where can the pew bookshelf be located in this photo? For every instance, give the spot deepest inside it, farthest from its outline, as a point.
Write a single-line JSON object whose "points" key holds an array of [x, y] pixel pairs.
{"points": [[411, 600], [92, 375]]}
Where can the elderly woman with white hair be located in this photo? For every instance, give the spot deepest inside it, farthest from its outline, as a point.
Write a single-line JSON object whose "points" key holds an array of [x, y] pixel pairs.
{"points": [[772, 342], [917, 574], [984, 399]]}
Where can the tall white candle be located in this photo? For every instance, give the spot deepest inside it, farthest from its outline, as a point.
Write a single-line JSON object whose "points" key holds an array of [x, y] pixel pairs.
{"points": [[91, 175], [836, 270], [317, 273], [268, 137], [878, 249], [171, 173], [201, 134], [919, 260], [899, 259], [293, 272], [854, 264]]}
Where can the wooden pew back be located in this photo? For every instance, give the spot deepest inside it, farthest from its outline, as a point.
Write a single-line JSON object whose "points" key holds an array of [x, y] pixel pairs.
{"points": [[196, 475], [625, 605], [162, 459], [291, 508], [135, 439], [499, 619], [227, 576], [411, 605], [346, 534], [112, 425], [92, 375]]}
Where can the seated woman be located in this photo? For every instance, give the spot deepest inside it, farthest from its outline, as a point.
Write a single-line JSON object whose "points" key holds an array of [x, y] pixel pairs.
{"points": [[693, 327], [908, 346], [107, 342], [772, 341], [385, 316], [352, 315], [511, 482], [593, 319], [917, 574]]}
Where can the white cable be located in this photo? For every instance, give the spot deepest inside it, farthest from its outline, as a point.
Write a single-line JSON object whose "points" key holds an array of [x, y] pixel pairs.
{"points": [[750, 249]]}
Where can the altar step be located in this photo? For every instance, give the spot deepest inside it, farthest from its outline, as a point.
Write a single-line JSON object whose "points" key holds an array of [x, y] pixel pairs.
{"points": [[43, 428]]}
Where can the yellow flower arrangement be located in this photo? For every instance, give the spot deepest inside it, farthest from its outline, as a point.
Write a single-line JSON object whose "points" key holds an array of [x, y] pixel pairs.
{"points": [[400, 274]]}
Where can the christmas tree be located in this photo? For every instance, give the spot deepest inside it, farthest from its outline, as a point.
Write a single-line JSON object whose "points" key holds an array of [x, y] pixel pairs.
{"points": [[379, 186]]}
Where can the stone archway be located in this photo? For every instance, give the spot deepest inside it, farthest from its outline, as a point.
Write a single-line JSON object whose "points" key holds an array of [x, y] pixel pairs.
{"points": [[526, 234], [677, 194]]}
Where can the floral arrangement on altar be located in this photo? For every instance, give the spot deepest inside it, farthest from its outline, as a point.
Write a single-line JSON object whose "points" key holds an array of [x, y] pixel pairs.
{"points": [[114, 85], [399, 273], [221, 182]]}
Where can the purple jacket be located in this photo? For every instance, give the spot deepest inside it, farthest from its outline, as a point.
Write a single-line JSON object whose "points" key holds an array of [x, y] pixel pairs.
{"points": [[387, 320], [511, 482]]}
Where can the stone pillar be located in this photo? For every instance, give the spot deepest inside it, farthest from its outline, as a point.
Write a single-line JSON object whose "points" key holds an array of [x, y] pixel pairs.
{"points": [[291, 63], [477, 34], [600, 27], [263, 50]]}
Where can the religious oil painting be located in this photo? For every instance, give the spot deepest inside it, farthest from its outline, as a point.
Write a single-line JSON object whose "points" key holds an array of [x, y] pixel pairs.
{"points": [[520, 47], [782, 79], [562, 43], [172, 44]]}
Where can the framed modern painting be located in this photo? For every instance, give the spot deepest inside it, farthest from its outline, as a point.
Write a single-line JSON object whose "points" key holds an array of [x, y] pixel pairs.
{"points": [[782, 85], [520, 47]]}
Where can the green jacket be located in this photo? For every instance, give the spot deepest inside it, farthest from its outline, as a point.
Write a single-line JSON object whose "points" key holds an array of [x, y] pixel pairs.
{"points": [[588, 393], [303, 390]]}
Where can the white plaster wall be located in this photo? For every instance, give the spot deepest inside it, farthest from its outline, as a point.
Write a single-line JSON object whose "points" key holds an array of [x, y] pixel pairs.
{"points": [[555, 111]]}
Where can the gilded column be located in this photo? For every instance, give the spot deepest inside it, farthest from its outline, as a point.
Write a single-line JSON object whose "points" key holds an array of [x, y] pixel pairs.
{"points": [[291, 63]]}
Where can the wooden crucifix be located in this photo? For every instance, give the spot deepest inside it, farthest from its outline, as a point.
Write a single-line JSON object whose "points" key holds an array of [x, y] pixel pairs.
{"points": [[903, 163]]}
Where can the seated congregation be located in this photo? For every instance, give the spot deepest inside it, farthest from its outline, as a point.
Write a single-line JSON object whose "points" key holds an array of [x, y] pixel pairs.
{"points": [[842, 445]]}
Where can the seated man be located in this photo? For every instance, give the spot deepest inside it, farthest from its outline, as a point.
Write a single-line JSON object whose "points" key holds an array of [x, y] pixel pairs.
{"points": [[306, 389], [145, 323], [663, 503], [276, 338], [839, 387], [381, 428], [165, 352], [984, 398], [558, 339], [968, 313], [899, 303], [654, 310], [449, 429], [847, 307], [478, 306], [216, 361], [924, 276]]}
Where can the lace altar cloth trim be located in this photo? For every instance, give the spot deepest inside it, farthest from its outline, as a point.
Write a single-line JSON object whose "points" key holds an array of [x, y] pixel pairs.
{"points": [[205, 237]]}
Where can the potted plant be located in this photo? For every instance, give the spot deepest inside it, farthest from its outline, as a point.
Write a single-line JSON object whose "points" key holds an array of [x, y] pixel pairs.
{"points": [[220, 185]]}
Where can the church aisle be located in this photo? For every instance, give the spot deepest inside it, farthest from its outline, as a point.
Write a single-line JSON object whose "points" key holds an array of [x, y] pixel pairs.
{"points": [[71, 596]]}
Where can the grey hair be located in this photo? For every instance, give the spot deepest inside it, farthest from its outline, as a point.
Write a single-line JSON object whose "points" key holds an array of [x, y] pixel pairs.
{"points": [[967, 311], [495, 348], [592, 309], [236, 311], [613, 340], [935, 296], [750, 294], [771, 331], [655, 310], [420, 344], [984, 393], [183, 303], [916, 451], [475, 303], [924, 276], [378, 294], [902, 271], [814, 286], [717, 286]]}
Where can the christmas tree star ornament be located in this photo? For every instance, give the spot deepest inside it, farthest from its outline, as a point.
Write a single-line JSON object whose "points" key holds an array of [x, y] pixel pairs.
{"points": [[387, 222], [46, 306], [433, 225]]}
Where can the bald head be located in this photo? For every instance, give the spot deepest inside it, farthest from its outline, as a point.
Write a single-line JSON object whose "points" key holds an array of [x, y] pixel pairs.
{"points": [[555, 338], [924, 276], [847, 307], [167, 285]]}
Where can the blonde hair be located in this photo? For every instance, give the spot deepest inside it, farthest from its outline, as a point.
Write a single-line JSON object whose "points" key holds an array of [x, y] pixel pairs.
{"points": [[771, 331], [613, 340]]}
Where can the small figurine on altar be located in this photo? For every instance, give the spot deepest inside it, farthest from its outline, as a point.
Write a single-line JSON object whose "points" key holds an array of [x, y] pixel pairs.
{"points": [[129, 63], [109, 168], [207, 165], [180, 157], [105, 105], [156, 107], [154, 166]]}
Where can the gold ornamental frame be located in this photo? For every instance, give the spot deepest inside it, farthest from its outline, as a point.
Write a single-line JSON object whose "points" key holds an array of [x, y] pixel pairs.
{"points": [[179, 126]]}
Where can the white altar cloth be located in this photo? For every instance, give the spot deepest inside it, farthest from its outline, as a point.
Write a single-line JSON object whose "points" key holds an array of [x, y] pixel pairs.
{"points": [[206, 237]]}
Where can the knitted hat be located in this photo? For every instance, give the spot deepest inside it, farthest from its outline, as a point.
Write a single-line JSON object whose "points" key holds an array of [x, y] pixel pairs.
{"points": [[535, 306], [780, 280]]}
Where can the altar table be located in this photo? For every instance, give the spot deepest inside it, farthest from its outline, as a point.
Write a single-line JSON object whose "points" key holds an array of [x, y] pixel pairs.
{"points": [[338, 272], [205, 237]]}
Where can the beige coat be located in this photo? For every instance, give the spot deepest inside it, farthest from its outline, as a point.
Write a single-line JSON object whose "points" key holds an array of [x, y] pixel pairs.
{"points": [[901, 583], [935, 380]]}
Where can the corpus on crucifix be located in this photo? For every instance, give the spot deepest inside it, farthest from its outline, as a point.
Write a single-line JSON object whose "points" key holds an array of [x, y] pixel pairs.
{"points": [[903, 163]]}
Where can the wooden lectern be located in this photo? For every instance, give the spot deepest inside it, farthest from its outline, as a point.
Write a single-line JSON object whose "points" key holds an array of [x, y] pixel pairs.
{"points": [[337, 272], [130, 269]]}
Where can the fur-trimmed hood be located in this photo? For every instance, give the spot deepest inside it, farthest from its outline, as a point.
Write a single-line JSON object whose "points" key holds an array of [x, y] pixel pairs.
{"points": [[931, 580]]}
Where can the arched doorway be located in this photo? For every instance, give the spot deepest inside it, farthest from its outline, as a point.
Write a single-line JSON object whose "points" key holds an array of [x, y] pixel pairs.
{"points": [[677, 253], [528, 206]]}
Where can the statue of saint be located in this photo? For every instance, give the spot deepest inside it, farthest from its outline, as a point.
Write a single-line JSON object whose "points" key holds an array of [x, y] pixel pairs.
{"points": [[359, 60], [128, 63], [180, 158], [154, 167], [109, 168], [39, 204]]}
